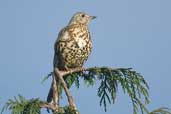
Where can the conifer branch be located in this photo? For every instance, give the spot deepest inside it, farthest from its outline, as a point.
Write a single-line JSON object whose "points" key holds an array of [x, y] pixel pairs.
{"points": [[60, 75], [162, 110], [132, 83], [55, 94]]}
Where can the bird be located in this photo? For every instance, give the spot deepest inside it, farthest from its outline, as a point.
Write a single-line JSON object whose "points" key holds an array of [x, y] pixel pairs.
{"points": [[73, 45]]}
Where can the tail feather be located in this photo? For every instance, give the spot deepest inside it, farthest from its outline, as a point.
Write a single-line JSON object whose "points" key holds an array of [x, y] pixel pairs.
{"points": [[50, 95]]}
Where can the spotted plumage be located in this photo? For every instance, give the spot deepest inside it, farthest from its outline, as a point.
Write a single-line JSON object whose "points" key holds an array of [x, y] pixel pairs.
{"points": [[73, 45]]}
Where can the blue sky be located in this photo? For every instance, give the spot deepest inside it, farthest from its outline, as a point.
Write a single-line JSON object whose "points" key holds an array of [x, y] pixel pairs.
{"points": [[127, 33]]}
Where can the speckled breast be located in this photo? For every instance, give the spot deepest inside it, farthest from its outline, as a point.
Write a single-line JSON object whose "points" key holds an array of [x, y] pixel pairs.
{"points": [[75, 51]]}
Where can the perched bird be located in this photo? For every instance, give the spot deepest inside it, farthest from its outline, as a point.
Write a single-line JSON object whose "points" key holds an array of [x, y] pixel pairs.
{"points": [[73, 45]]}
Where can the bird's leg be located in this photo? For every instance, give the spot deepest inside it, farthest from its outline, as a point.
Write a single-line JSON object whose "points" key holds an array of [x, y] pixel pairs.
{"points": [[66, 68], [70, 98]]}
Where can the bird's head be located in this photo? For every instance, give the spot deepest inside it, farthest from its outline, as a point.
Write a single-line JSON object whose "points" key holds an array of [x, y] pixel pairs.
{"points": [[82, 18]]}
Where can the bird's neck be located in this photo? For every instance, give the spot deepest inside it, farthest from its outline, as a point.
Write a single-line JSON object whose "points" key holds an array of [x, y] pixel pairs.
{"points": [[77, 23]]}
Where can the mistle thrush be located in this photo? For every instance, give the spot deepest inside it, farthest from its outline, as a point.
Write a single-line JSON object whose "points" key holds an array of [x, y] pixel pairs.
{"points": [[73, 45]]}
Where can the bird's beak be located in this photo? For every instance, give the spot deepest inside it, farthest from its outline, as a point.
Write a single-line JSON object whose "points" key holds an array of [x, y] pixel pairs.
{"points": [[93, 17]]}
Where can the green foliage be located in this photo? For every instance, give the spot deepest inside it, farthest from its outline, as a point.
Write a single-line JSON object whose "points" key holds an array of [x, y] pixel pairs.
{"points": [[22, 106], [131, 82], [46, 77], [162, 110], [32, 106], [69, 80], [66, 110], [72, 79]]}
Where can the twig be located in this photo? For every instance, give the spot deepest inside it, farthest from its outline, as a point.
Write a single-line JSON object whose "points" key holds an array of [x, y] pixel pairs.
{"points": [[80, 69], [70, 71], [55, 94], [60, 75], [48, 105]]}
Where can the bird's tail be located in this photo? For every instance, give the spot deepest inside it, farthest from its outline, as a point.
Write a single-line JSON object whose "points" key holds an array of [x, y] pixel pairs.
{"points": [[50, 94]]}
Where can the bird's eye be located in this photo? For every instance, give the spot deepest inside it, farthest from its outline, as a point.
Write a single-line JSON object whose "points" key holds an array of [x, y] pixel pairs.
{"points": [[82, 15]]}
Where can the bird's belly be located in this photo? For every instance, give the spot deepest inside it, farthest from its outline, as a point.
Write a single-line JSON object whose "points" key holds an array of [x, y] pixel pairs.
{"points": [[74, 54]]}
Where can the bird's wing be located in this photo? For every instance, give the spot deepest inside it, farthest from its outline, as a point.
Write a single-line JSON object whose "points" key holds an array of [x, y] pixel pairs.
{"points": [[62, 37]]}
